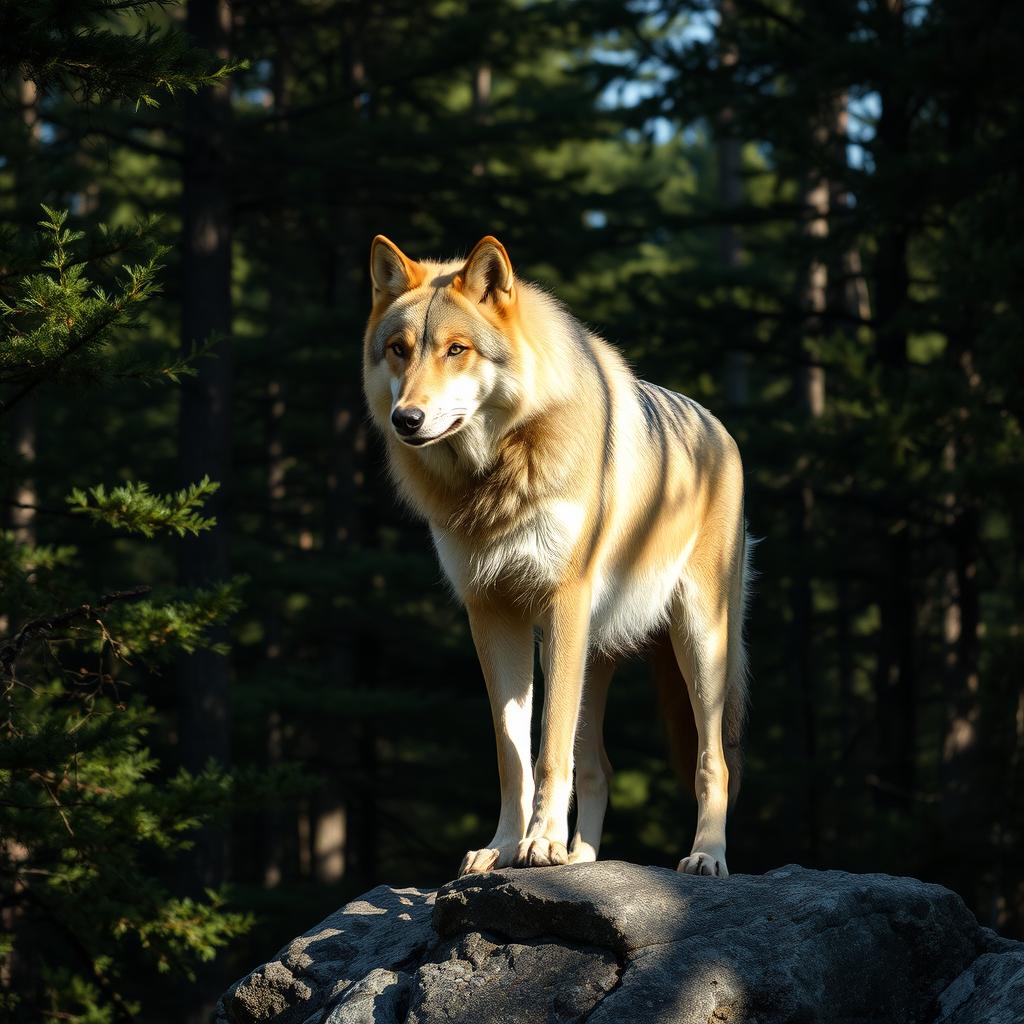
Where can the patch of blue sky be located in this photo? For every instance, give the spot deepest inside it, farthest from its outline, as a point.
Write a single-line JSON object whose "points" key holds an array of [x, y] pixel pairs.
{"points": [[863, 113], [260, 94], [643, 79]]}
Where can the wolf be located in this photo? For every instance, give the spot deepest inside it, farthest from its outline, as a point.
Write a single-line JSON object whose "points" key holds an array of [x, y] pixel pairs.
{"points": [[569, 500]]}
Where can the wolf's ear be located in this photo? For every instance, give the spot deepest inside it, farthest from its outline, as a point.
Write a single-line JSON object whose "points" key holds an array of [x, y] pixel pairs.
{"points": [[487, 275], [391, 271]]}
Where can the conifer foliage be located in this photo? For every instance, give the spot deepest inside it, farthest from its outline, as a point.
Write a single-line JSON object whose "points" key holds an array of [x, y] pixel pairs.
{"points": [[90, 821], [89, 50]]}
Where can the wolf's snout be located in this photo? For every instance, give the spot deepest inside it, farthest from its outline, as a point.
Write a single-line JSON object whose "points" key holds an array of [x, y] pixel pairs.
{"points": [[407, 421]]}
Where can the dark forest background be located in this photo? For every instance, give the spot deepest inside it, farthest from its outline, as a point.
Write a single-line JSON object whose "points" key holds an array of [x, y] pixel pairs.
{"points": [[807, 216]]}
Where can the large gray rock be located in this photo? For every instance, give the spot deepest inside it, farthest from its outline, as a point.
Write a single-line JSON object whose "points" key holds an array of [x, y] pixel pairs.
{"points": [[357, 955], [614, 942], [990, 990]]}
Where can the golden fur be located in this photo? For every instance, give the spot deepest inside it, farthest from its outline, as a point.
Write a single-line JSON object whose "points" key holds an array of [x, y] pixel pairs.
{"points": [[564, 494]]}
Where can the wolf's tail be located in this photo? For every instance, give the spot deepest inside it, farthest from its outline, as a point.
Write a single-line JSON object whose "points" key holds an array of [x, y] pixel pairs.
{"points": [[737, 672]]}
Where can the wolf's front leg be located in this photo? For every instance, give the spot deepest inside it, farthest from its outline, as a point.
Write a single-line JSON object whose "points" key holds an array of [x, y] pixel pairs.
{"points": [[566, 633], [504, 644]]}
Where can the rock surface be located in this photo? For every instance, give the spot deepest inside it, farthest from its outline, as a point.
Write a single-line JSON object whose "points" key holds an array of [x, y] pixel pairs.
{"points": [[613, 942]]}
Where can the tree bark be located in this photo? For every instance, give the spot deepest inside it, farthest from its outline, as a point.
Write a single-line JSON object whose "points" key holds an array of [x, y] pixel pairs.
{"points": [[273, 825], [24, 496], [331, 832], [848, 297], [730, 193], [347, 442], [204, 442], [809, 389], [896, 669], [204, 420], [481, 101]]}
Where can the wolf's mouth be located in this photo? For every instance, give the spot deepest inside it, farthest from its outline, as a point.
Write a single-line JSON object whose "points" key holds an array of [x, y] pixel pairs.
{"points": [[419, 442]]}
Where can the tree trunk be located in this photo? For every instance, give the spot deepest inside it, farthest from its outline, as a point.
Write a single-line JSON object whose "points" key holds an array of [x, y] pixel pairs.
{"points": [[809, 388], [961, 619], [342, 533], [273, 825], [896, 669], [481, 101], [848, 289], [204, 440], [849, 301], [23, 495], [730, 192], [204, 421], [347, 443]]}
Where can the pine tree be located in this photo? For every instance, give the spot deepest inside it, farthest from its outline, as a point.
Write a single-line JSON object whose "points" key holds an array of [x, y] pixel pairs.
{"points": [[91, 822]]}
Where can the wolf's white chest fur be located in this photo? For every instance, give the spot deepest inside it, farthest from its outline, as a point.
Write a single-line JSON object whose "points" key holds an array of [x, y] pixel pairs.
{"points": [[534, 554]]}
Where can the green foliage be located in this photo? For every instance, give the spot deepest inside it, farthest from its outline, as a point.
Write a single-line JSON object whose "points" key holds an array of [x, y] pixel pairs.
{"points": [[22, 558], [156, 630], [91, 822], [87, 50], [84, 811], [58, 325], [135, 508]]}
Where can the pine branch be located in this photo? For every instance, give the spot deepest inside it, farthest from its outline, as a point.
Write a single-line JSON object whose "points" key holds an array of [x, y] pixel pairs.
{"points": [[11, 649], [38, 326], [86, 50], [134, 507], [8, 404]]}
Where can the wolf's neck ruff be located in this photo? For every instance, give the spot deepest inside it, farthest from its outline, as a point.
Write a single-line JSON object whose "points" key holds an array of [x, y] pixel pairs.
{"points": [[514, 457]]}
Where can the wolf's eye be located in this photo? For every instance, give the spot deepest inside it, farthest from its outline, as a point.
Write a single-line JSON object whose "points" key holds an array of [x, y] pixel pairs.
{"points": [[454, 350], [398, 348]]}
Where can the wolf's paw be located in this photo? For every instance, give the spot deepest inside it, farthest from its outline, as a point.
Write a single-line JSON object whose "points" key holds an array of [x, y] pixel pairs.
{"points": [[704, 864], [490, 858], [581, 852], [540, 852]]}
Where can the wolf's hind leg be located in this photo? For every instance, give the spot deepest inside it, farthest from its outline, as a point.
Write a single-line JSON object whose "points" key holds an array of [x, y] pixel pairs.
{"points": [[700, 639], [675, 707], [504, 644], [593, 770]]}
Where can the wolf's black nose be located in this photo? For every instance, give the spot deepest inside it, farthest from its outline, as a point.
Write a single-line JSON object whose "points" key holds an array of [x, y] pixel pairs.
{"points": [[407, 421]]}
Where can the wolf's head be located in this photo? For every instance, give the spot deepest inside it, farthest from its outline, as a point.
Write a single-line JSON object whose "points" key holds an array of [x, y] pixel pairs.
{"points": [[438, 342]]}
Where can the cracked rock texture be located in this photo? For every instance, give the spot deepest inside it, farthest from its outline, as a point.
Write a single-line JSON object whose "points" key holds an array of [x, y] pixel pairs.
{"points": [[613, 942]]}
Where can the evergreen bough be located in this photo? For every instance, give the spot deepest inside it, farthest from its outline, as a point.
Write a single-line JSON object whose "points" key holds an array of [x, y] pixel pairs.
{"points": [[90, 823]]}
